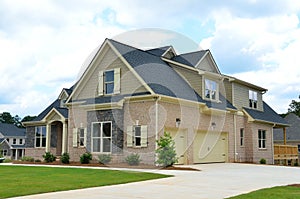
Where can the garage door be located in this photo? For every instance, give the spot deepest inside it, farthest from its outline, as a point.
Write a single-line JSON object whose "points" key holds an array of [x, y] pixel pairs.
{"points": [[179, 136], [210, 147]]}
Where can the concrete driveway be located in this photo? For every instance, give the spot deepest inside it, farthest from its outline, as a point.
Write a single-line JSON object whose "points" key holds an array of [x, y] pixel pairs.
{"points": [[213, 181]]}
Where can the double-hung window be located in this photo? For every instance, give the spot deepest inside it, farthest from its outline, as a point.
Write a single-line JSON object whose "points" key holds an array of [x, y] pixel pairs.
{"points": [[137, 135], [261, 139], [241, 137], [109, 82], [21, 141], [40, 136], [14, 141], [79, 137], [252, 99], [102, 137], [211, 89]]}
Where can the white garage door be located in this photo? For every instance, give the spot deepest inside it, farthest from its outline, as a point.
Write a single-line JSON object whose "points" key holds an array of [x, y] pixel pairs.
{"points": [[210, 147]]}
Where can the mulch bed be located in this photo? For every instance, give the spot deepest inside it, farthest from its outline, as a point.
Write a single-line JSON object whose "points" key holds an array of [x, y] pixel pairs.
{"points": [[122, 165], [294, 185]]}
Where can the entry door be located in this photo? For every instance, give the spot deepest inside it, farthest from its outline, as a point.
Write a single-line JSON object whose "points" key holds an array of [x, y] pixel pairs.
{"points": [[210, 147], [180, 139]]}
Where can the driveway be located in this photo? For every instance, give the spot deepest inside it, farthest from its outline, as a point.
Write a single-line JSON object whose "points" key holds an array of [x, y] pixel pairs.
{"points": [[213, 181]]}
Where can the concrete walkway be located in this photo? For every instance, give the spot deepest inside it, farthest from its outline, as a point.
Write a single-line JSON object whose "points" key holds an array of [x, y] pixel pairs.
{"points": [[213, 181]]}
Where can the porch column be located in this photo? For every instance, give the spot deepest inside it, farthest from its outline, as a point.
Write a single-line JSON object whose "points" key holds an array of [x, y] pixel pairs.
{"points": [[16, 154], [48, 137], [284, 135], [64, 137]]}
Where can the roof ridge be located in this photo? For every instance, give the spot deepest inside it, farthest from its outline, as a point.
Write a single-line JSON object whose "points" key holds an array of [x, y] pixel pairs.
{"points": [[192, 52]]}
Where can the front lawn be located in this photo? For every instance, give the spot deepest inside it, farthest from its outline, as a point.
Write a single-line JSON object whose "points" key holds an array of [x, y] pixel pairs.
{"points": [[284, 192], [27, 180]]}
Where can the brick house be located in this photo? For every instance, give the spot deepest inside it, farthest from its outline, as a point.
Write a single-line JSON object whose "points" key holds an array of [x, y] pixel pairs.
{"points": [[12, 141], [128, 97]]}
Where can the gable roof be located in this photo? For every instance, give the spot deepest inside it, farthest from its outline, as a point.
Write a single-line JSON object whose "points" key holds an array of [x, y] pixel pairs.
{"points": [[55, 105], [10, 130], [268, 115], [158, 51], [292, 132], [190, 59]]}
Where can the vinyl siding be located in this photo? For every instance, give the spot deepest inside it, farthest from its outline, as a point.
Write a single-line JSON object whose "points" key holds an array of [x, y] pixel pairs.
{"points": [[193, 78], [108, 60], [228, 90], [207, 65], [241, 97]]}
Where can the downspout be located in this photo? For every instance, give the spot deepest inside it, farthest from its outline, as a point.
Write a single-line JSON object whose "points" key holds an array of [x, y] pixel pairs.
{"points": [[234, 130], [272, 143], [156, 123]]}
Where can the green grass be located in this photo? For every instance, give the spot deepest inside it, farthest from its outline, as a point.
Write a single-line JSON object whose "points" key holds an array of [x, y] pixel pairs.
{"points": [[284, 192], [26, 180]]}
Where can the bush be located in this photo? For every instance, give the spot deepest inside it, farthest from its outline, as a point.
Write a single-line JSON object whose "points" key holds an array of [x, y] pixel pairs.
{"points": [[296, 164], [262, 161], [37, 160], [166, 151], [133, 159], [85, 158], [104, 158], [27, 159], [65, 158], [7, 161], [49, 157]]}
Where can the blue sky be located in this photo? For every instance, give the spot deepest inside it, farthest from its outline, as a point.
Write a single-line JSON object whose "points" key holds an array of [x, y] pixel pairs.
{"points": [[43, 44]]}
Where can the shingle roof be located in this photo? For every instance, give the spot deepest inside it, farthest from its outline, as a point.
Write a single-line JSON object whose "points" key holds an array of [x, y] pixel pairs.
{"points": [[56, 105], [1, 140], [292, 132], [10, 130], [268, 115], [158, 51], [160, 77], [190, 59]]}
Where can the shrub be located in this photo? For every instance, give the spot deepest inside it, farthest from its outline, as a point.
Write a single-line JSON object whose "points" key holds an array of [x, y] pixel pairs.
{"points": [[37, 160], [65, 158], [133, 159], [104, 158], [49, 157], [166, 151], [262, 161], [7, 161], [296, 164], [27, 159], [85, 158]]}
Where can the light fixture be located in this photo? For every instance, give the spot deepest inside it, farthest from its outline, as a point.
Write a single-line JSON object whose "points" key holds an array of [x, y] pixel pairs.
{"points": [[178, 121]]}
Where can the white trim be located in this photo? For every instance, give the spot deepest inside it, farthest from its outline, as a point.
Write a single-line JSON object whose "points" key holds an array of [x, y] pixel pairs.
{"points": [[101, 137], [168, 50]]}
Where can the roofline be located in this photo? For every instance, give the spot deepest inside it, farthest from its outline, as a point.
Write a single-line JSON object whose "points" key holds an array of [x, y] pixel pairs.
{"points": [[170, 48], [263, 121], [180, 64], [234, 79], [212, 58], [53, 110]]}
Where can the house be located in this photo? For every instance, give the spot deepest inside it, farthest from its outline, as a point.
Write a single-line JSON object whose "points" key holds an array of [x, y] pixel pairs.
{"points": [[127, 98], [292, 133], [12, 141]]}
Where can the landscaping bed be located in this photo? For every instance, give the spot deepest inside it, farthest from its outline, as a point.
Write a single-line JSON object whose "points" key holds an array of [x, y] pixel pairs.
{"points": [[121, 165]]}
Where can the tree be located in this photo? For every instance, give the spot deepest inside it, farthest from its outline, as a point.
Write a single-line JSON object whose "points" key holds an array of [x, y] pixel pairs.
{"points": [[295, 107], [28, 118], [166, 150], [7, 118]]}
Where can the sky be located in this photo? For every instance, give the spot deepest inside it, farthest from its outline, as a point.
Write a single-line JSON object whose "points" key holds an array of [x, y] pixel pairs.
{"points": [[44, 44]]}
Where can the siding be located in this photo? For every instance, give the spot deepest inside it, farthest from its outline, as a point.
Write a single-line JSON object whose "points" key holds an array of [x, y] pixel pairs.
{"points": [[193, 78], [241, 97], [228, 90], [207, 65], [106, 61]]}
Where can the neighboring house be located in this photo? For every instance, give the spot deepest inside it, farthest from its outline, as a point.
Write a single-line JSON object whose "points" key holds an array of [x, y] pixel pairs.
{"points": [[127, 98], [12, 141], [292, 132]]}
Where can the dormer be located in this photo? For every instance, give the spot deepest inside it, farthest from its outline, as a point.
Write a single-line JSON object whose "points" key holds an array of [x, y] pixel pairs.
{"points": [[63, 96], [170, 53]]}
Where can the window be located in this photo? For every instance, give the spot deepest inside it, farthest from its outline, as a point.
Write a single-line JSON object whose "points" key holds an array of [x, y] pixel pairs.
{"points": [[21, 141], [211, 89], [7, 139], [81, 137], [241, 137], [137, 136], [40, 136], [14, 141], [109, 82], [252, 99], [4, 152], [298, 148], [102, 137], [261, 139]]}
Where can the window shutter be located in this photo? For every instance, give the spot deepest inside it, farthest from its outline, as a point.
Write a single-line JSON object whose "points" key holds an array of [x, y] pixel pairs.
{"points": [[100, 83], [117, 75], [75, 137], [144, 136], [85, 136], [129, 136]]}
